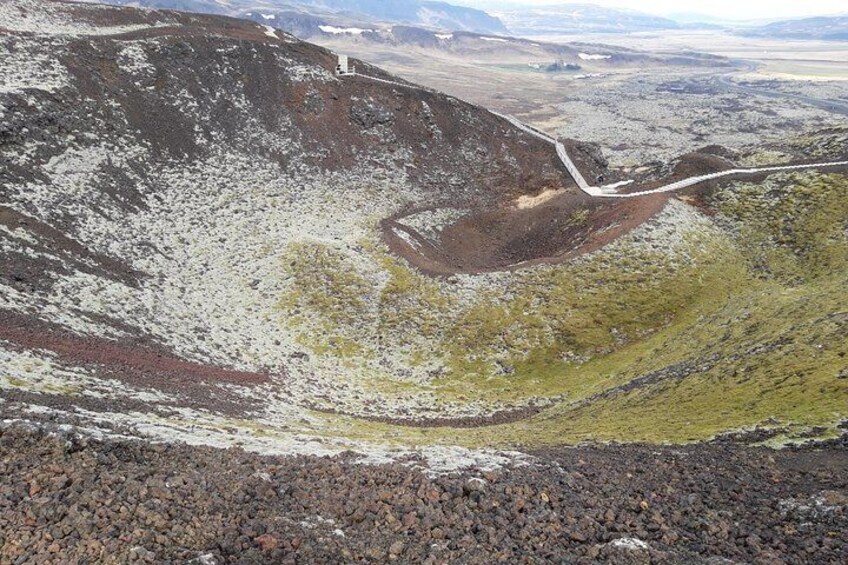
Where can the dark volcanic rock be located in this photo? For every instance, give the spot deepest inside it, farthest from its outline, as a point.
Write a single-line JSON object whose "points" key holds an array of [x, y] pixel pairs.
{"points": [[369, 115], [108, 501]]}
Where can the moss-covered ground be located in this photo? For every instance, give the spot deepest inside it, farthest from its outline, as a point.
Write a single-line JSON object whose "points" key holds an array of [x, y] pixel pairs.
{"points": [[742, 323]]}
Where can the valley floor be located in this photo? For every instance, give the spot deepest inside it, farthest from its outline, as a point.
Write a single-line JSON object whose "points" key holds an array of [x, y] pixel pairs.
{"points": [[64, 498]]}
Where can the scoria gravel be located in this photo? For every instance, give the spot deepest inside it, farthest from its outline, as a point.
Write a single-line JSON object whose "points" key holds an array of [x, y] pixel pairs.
{"points": [[66, 498]]}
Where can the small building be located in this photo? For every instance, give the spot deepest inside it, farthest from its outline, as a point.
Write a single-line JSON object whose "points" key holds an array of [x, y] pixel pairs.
{"points": [[343, 67]]}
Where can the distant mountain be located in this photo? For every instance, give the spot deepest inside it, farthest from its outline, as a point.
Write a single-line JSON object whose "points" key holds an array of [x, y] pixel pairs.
{"points": [[829, 28], [581, 18], [200, 6], [695, 20], [420, 12], [427, 13]]}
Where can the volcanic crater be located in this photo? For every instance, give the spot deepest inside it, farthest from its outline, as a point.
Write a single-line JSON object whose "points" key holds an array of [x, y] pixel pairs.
{"points": [[202, 221]]}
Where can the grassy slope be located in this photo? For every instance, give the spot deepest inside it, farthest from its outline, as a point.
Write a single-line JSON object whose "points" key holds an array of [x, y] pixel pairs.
{"points": [[748, 327]]}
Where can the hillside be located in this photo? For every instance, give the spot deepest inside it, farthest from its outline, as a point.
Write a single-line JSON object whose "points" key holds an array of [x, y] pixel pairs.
{"points": [[576, 19], [399, 42], [288, 14], [208, 239], [833, 28], [168, 212], [441, 15]]}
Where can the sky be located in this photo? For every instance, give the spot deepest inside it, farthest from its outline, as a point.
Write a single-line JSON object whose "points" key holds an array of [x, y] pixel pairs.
{"points": [[725, 9]]}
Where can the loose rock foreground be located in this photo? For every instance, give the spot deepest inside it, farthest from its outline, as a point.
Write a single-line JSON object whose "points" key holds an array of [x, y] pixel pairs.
{"points": [[69, 499]]}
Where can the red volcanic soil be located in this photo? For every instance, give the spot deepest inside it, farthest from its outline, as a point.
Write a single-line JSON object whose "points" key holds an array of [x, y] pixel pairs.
{"points": [[509, 238], [141, 364], [506, 416]]}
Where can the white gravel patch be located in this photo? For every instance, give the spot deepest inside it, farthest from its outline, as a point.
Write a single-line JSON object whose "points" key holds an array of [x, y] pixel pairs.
{"points": [[31, 65], [630, 544]]}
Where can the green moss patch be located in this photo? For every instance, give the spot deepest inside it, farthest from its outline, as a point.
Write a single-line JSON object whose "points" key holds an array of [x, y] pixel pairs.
{"points": [[730, 328]]}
